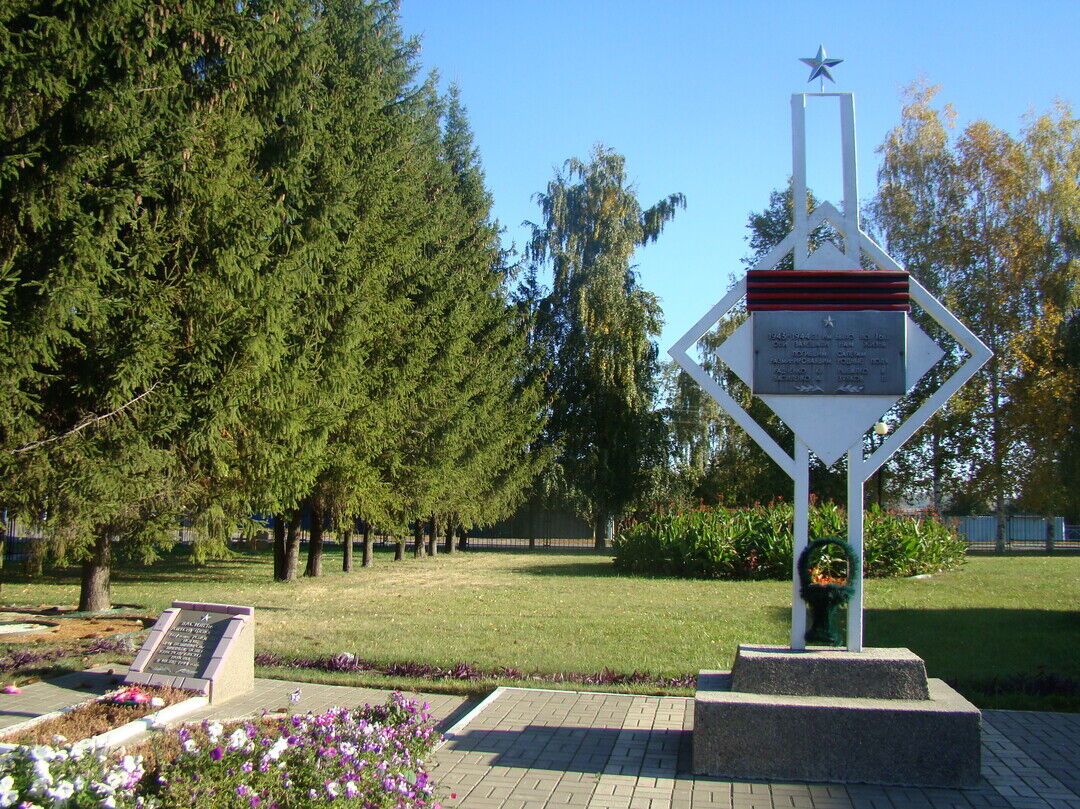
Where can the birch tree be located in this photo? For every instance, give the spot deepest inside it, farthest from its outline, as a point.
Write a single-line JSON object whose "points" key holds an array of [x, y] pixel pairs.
{"points": [[983, 219], [598, 325]]}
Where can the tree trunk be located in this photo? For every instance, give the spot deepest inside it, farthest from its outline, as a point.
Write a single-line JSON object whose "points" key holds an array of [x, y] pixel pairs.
{"points": [[936, 495], [451, 529], [292, 547], [399, 548], [418, 539], [601, 529], [34, 563], [96, 592], [346, 551], [433, 536], [997, 449], [3, 543], [463, 542], [279, 547], [369, 542], [315, 540]]}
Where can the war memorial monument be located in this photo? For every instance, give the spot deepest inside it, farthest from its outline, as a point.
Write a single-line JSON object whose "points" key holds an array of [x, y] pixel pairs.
{"points": [[830, 346]]}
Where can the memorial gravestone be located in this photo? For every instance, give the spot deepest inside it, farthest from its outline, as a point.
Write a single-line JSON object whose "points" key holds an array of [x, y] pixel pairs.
{"points": [[209, 648]]}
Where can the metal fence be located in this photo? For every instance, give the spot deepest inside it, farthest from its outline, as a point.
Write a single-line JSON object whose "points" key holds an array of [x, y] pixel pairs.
{"points": [[535, 528], [1022, 533], [549, 530]]}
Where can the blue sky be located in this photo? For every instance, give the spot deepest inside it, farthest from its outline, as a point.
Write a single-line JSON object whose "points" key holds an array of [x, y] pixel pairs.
{"points": [[696, 96]]}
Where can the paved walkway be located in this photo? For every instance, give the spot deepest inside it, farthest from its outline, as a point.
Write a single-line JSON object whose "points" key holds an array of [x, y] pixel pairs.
{"points": [[539, 749]]}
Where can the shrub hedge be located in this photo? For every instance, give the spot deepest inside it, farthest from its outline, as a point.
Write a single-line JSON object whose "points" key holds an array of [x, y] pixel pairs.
{"points": [[755, 543]]}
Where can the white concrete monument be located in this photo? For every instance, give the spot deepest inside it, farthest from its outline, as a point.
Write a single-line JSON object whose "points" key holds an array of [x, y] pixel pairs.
{"points": [[830, 347]]}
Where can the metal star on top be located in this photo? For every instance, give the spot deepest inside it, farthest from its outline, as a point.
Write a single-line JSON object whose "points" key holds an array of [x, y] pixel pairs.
{"points": [[820, 64]]}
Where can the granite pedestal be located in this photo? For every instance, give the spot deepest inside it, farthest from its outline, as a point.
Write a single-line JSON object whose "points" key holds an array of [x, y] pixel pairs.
{"points": [[829, 715]]}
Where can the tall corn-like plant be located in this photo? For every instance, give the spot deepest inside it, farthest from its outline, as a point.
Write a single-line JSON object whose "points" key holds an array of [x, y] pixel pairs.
{"points": [[756, 543]]}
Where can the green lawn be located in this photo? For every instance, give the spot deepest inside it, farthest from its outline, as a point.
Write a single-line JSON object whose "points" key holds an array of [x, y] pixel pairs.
{"points": [[1004, 624]]}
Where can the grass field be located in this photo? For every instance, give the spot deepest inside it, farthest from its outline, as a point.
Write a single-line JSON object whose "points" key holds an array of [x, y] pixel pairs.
{"points": [[1005, 624]]}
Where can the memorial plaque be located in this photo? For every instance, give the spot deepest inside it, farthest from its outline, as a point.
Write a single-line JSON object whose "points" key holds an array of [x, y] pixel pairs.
{"points": [[209, 648], [189, 643], [829, 353]]}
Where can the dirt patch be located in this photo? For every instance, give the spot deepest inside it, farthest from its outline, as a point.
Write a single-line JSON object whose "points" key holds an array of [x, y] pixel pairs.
{"points": [[55, 627]]}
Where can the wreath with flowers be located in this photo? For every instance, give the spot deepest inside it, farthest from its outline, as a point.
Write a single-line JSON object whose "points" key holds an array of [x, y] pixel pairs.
{"points": [[825, 594]]}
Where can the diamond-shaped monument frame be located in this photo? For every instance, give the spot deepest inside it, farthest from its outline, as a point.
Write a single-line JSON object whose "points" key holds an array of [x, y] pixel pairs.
{"points": [[977, 352]]}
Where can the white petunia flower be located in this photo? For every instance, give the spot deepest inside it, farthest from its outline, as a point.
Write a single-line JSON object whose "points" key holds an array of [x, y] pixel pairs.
{"points": [[238, 739], [81, 748], [214, 729], [8, 793], [277, 748], [61, 793], [43, 777]]}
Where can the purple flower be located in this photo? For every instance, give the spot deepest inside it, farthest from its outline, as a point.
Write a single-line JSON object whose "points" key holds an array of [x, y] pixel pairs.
{"points": [[217, 753]]}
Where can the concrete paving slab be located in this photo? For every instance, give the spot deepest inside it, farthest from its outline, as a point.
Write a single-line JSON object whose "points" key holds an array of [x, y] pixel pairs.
{"points": [[542, 749], [617, 752]]}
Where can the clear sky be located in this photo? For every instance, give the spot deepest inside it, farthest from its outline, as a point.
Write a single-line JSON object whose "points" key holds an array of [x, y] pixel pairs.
{"points": [[696, 95]]}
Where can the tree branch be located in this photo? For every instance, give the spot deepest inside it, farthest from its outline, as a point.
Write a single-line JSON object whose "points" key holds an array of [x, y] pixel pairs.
{"points": [[82, 425]]}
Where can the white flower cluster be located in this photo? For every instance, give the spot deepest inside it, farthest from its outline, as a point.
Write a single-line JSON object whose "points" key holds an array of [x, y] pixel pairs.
{"points": [[76, 776]]}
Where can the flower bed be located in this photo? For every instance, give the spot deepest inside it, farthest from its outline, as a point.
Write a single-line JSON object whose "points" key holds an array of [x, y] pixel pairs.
{"points": [[370, 757], [348, 662]]}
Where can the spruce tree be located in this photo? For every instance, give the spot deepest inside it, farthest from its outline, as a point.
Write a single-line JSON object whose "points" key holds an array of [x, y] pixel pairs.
{"points": [[148, 161]]}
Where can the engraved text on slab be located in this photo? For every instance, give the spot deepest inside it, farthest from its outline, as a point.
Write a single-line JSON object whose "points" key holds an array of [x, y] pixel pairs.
{"points": [[829, 353], [188, 644]]}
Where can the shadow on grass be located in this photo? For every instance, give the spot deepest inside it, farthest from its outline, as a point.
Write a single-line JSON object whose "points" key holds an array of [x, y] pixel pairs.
{"points": [[980, 640], [171, 566], [592, 570], [997, 657]]}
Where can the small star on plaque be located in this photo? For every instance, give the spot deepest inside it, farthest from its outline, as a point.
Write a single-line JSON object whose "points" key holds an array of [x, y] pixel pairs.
{"points": [[828, 322], [820, 64], [206, 616]]}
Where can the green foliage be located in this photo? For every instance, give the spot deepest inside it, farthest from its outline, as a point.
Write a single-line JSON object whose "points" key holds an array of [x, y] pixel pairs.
{"points": [[988, 222], [756, 542], [247, 266], [597, 326]]}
